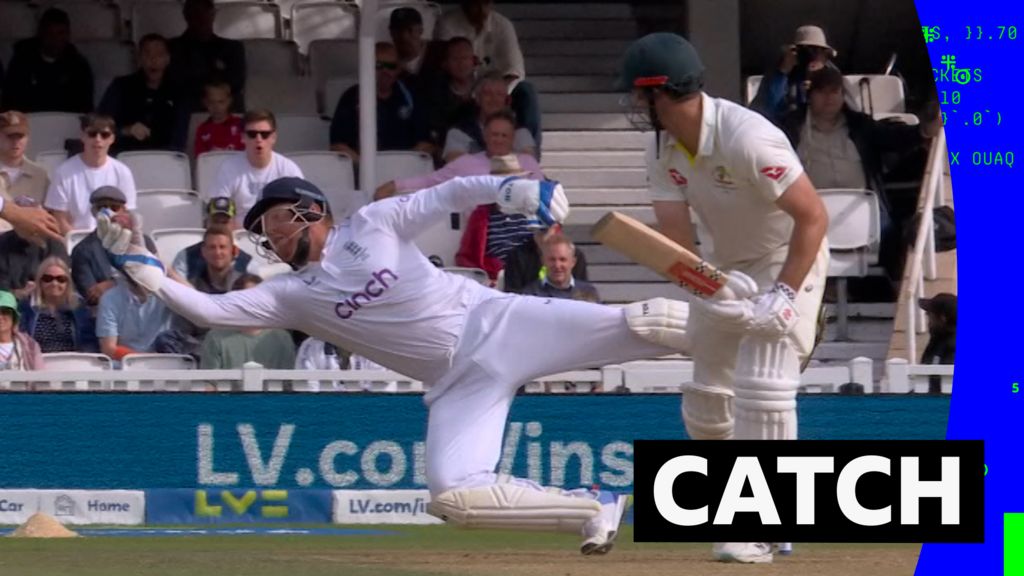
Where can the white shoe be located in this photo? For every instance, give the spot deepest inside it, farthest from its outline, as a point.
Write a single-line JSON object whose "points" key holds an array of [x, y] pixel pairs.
{"points": [[743, 552], [601, 530]]}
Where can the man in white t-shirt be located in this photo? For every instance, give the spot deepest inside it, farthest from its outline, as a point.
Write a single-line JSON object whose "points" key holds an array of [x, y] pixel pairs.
{"points": [[742, 178], [74, 181], [242, 177]]}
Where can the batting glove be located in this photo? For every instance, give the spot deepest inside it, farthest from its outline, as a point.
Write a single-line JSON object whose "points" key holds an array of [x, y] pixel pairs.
{"points": [[775, 312], [738, 287], [128, 252], [543, 202]]}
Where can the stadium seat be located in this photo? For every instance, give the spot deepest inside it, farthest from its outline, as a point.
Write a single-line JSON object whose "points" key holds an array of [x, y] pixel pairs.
{"points": [[108, 60], [394, 165], [157, 170], [430, 12], [878, 94], [854, 234], [51, 159], [162, 209], [471, 273], [242, 19], [50, 130], [442, 239], [90, 20], [753, 84], [333, 173], [332, 92], [207, 166], [269, 57], [164, 18], [194, 120], [158, 362], [298, 96], [74, 237], [171, 241], [317, 19], [902, 117], [299, 132], [17, 21], [77, 361]]}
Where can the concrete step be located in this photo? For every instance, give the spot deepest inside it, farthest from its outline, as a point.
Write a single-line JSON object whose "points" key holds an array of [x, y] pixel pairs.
{"points": [[574, 140], [877, 310], [537, 29], [592, 48], [559, 11], [598, 177], [621, 273], [587, 216], [582, 102], [624, 292], [570, 83], [611, 198], [592, 121], [594, 159], [607, 65]]}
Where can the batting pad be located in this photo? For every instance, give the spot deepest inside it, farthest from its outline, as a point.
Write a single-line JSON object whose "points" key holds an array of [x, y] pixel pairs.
{"points": [[766, 381], [508, 506]]}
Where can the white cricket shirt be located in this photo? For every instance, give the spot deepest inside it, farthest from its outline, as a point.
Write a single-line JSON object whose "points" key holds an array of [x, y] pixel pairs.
{"points": [[74, 181], [238, 180]]}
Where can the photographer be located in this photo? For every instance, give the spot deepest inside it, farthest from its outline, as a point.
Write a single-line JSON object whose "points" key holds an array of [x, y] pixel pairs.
{"points": [[784, 88]]}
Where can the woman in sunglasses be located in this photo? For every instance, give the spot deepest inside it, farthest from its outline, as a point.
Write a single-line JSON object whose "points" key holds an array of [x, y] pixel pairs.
{"points": [[54, 315]]}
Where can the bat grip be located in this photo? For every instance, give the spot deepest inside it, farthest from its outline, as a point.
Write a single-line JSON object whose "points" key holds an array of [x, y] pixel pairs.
{"points": [[724, 293]]}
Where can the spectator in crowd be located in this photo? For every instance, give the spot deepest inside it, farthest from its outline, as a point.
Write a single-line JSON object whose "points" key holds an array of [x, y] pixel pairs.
{"points": [[467, 136], [199, 56], [20, 257], [190, 263], [499, 131], [315, 354], [91, 269], [497, 48], [491, 234], [225, 349], [77, 177], [145, 104], [129, 319], [219, 270], [242, 177], [53, 314], [841, 148], [19, 176], [559, 257], [47, 73], [450, 94], [18, 351], [784, 88], [523, 265], [406, 29], [221, 130], [941, 348], [401, 119]]}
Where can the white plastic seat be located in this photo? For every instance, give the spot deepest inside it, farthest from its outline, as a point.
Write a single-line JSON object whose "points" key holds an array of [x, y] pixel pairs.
{"points": [[171, 241], [74, 237], [242, 19], [443, 238], [17, 21], [333, 89], [108, 60], [878, 94], [83, 361], [90, 20], [207, 167], [50, 130], [162, 209], [753, 84], [854, 233], [271, 57], [298, 96], [297, 132], [902, 117], [472, 273], [157, 170], [317, 19], [158, 362], [392, 165], [334, 174], [429, 11], [51, 159], [164, 18]]}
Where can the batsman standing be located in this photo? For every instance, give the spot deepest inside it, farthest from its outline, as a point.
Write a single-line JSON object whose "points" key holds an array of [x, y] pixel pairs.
{"points": [[763, 216], [362, 284]]}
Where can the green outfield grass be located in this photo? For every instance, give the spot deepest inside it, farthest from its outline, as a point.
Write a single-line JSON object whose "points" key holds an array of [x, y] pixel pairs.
{"points": [[414, 551]]}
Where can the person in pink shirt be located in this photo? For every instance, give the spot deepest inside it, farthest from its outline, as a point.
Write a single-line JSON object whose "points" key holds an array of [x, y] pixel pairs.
{"points": [[499, 134]]}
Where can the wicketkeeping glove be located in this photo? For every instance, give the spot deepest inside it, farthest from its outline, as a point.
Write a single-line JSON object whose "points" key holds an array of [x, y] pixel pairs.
{"points": [[543, 202], [127, 250]]}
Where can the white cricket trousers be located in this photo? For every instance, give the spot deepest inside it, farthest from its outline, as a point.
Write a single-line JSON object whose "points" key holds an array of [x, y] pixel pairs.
{"points": [[508, 341]]}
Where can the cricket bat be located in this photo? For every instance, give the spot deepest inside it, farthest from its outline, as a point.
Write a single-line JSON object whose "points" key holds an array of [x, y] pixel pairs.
{"points": [[648, 247]]}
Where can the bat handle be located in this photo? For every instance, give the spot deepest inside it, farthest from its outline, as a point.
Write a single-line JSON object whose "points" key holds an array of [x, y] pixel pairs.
{"points": [[724, 293]]}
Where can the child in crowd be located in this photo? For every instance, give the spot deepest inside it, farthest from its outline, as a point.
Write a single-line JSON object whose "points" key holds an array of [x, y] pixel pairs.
{"points": [[222, 130]]}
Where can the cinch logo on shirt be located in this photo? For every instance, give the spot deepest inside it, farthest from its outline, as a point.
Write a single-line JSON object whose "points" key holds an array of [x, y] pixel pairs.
{"points": [[774, 172], [377, 285], [678, 178]]}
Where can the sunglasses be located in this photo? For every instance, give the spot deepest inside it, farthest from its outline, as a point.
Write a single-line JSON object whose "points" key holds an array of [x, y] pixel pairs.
{"points": [[104, 134], [387, 66], [15, 135], [46, 278], [264, 134]]}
